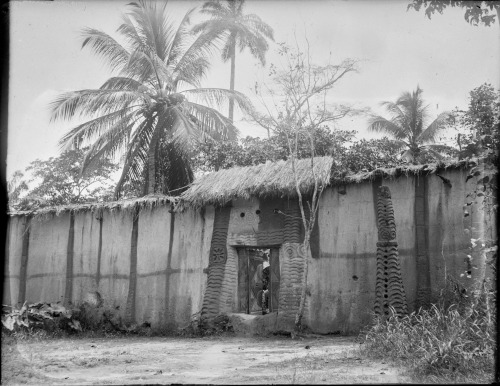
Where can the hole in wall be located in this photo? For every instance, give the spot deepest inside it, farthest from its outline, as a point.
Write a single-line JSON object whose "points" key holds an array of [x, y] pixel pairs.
{"points": [[242, 214], [355, 277], [257, 211]]}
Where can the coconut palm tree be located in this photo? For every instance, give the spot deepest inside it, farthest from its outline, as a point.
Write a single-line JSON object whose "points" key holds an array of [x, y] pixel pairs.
{"points": [[408, 125], [154, 108], [238, 29]]}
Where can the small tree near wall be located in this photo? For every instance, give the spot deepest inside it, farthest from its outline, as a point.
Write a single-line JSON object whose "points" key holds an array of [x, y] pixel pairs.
{"points": [[300, 105]]}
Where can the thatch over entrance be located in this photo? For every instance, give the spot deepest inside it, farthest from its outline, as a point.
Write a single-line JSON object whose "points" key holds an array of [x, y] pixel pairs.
{"points": [[264, 180], [275, 179]]}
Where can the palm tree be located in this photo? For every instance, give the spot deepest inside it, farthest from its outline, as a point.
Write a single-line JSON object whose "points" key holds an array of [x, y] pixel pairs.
{"points": [[408, 126], [154, 109], [228, 20]]}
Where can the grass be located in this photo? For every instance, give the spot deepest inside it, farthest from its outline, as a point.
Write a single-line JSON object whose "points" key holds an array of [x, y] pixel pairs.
{"points": [[453, 341]]}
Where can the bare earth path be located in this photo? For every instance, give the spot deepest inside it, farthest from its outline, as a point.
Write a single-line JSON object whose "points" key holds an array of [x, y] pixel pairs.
{"points": [[222, 360]]}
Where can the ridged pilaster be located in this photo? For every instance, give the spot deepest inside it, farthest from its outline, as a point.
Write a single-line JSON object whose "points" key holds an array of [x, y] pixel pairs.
{"points": [[389, 288], [216, 264]]}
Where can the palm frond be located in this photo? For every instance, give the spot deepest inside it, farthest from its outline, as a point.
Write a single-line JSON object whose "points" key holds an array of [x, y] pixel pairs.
{"points": [[192, 73], [215, 9], [152, 27], [147, 66], [219, 97], [259, 27], [211, 122], [257, 45], [381, 124], [111, 142], [431, 132], [90, 102], [135, 157], [202, 47], [92, 128], [122, 83], [105, 46], [176, 45]]}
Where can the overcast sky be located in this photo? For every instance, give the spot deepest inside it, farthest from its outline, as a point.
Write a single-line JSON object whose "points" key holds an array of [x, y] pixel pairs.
{"points": [[397, 50]]}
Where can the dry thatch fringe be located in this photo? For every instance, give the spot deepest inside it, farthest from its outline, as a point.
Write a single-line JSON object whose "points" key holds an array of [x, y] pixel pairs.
{"points": [[403, 170], [264, 180], [269, 179], [146, 202], [276, 179]]}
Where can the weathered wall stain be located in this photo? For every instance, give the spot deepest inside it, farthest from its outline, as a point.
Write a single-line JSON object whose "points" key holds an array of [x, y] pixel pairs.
{"points": [[24, 261], [68, 292], [422, 242], [341, 280], [132, 289]]}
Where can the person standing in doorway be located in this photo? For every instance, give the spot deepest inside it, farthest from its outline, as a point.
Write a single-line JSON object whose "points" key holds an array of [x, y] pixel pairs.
{"points": [[265, 282]]}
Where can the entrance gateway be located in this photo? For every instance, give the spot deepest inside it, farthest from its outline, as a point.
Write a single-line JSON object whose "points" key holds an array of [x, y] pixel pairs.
{"points": [[250, 265]]}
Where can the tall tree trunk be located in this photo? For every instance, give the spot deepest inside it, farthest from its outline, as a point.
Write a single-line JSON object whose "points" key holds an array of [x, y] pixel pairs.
{"points": [[152, 162], [231, 84], [303, 292]]}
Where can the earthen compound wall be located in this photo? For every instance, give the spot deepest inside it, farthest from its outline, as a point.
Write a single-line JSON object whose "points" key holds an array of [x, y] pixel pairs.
{"points": [[160, 266], [147, 265]]}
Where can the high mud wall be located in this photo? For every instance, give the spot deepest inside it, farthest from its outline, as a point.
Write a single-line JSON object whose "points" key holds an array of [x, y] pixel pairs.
{"points": [[161, 266], [147, 265], [433, 245]]}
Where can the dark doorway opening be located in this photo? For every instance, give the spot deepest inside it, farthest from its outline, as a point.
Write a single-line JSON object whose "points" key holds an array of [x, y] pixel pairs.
{"points": [[251, 286]]}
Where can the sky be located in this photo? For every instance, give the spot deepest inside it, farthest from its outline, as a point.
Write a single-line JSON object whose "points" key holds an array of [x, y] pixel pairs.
{"points": [[396, 49]]}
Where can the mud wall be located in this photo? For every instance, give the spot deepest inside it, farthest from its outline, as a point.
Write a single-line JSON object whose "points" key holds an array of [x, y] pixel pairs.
{"points": [[147, 265], [160, 266], [433, 245]]}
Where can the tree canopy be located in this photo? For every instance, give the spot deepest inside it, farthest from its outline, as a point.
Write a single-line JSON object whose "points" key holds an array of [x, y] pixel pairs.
{"points": [[410, 127], [476, 12], [59, 181], [237, 29], [154, 108]]}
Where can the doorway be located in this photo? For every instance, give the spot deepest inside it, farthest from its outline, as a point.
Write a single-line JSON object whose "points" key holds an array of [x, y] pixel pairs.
{"points": [[250, 283]]}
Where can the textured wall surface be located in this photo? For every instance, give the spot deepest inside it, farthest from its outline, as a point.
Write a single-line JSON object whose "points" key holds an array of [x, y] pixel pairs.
{"points": [[342, 279], [46, 269], [190, 253], [448, 243], [148, 266], [162, 276], [115, 263], [13, 260], [389, 288], [86, 255], [152, 252]]}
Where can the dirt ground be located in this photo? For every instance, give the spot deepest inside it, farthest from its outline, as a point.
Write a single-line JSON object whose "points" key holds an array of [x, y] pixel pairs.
{"points": [[214, 360]]}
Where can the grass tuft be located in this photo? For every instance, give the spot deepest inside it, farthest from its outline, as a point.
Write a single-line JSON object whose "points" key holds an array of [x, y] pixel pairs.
{"points": [[454, 341]]}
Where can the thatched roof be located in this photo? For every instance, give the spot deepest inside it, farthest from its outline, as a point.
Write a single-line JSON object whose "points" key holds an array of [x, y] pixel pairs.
{"points": [[264, 180], [149, 201], [276, 179], [269, 179], [402, 170]]}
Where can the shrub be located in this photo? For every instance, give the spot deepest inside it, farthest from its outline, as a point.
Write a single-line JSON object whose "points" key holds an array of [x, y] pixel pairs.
{"points": [[444, 341], [39, 316]]}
